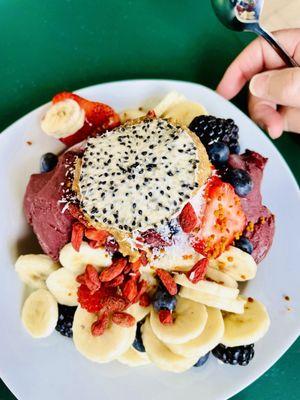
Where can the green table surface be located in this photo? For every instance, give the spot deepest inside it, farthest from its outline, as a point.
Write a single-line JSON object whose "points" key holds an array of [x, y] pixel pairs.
{"points": [[50, 46]]}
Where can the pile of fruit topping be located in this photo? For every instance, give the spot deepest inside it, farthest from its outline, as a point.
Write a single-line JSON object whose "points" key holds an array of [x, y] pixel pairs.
{"points": [[193, 230]]}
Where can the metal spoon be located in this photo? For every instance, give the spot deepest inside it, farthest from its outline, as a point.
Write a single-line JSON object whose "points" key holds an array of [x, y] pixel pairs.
{"points": [[243, 15]]}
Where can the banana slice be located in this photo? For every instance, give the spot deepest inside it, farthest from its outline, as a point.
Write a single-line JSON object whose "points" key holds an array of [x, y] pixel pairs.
{"points": [[114, 342], [247, 328], [207, 287], [40, 313], [62, 284], [63, 119], [207, 340], [231, 305], [169, 101], [138, 312], [34, 269], [172, 260], [161, 355], [77, 261], [236, 263], [189, 322], [221, 278], [132, 113], [184, 112], [134, 358]]}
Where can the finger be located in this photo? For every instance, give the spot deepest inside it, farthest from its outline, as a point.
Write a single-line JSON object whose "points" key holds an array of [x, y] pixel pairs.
{"points": [[265, 114], [257, 57], [281, 86], [291, 118]]}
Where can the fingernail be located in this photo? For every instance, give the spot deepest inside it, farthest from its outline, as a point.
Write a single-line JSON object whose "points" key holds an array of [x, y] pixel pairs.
{"points": [[258, 85]]}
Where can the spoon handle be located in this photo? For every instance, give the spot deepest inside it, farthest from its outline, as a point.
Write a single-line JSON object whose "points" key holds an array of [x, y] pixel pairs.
{"points": [[290, 62]]}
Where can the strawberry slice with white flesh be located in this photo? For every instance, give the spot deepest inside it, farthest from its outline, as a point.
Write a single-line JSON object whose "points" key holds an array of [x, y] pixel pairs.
{"points": [[222, 220]]}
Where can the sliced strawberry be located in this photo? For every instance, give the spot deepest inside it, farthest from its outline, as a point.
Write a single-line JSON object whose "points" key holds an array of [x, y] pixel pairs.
{"points": [[99, 117], [188, 218], [223, 219]]}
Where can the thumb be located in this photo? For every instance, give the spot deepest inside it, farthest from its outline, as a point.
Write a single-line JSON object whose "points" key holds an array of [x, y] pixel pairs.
{"points": [[279, 86]]}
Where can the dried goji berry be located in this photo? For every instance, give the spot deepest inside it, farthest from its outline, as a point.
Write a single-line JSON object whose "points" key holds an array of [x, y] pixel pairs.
{"points": [[165, 317], [127, 269], [130, 289], [143, 258], [77, 235], [117, 267], [123, 319], [188, 218], [141, 289], [92, 279], [197, 273], [99, 326], [145, 300], [114, 303], [93, 244], [117, 281], [76, 213], [98, 236], [167, 280]]}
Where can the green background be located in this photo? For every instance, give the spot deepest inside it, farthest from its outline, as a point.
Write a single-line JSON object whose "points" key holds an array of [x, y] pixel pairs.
{"points": [[50, 46]]}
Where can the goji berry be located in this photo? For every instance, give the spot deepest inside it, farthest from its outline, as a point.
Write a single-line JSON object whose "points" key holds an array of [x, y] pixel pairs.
{"points": [[141, 289], [99, 326], [143, 258], [130, 289], [98, 236], [92, 279], [117, 281], [123, 319], [77, 235], [127, 269], [197, 273], [145, 300], [167, 280], [117, 267], [188, 218], [165, 317], [93, 244]]}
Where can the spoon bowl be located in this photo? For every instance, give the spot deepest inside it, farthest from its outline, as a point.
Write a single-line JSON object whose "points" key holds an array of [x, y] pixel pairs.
{"points": [[244, 15]]}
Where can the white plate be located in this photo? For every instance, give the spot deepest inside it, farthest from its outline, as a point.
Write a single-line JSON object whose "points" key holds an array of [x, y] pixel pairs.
{"points": [[51, 368]]}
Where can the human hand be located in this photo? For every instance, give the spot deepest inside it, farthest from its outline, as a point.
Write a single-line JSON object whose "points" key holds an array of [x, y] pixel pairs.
{"points": [[274, 101]]}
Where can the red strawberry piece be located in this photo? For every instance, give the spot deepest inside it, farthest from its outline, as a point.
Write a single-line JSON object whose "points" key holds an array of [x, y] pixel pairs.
{"points": [[94, 302], [99, 326], [167, 280], [153, 239], [114, 302], [197, 273], [81, 279], [77, 235], [97, 236], [165, 317], [130, 289], [99, 117], [92, 279], [188, 218], [117, 267], [145, 300], [223, 219], [123, 319]]}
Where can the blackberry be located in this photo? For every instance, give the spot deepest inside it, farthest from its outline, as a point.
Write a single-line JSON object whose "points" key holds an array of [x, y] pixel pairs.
{"points": [[240, 355], [211, 130], [65, 320], [138, 341]]}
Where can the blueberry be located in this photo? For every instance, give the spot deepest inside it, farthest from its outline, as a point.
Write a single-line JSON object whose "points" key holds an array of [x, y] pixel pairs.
{"points": [[241, 181], [48, 162], [202, 360], [138, 341], [174, 226], [244, 244], [218, 153], [163, 300]]}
